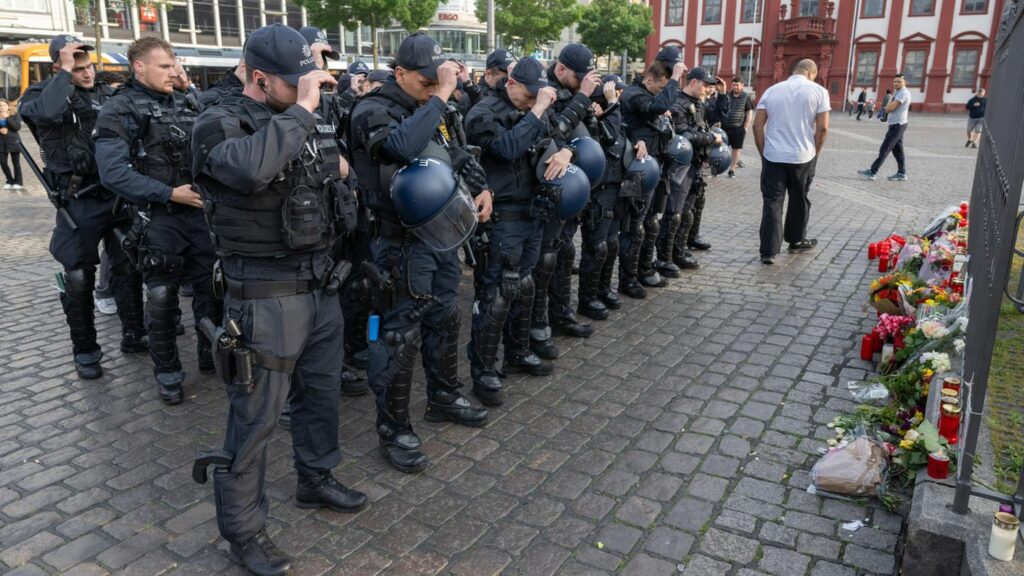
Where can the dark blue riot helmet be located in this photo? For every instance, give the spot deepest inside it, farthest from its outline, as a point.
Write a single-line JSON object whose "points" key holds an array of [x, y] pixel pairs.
{"points": [[720, 159], [588, 155], [650, 170], [720, 132], [679, 150], [573, 192], [432, 204]]}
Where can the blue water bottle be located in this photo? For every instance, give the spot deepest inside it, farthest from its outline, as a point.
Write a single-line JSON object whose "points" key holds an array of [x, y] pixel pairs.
{"points": [[373, 328]]}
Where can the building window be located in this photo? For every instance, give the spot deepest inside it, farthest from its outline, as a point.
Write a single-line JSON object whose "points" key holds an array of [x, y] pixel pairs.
{"points": [[746, 66], [750, 11], [867, 66], [872, 9], [914, 62], [922, 7], [709, 62], [965, 67], [974, 7], [24, 6], [674, 13], [810, 8], [712, 11]]}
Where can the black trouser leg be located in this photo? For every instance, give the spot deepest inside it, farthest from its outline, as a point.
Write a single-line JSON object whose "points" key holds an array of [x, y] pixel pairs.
{"points": [[799, 180], [78, 309], [773, 192], [698, 212], [893, 136]]}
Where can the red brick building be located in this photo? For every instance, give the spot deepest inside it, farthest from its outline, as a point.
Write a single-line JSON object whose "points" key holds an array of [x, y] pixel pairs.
{"points": [[943, 47]]}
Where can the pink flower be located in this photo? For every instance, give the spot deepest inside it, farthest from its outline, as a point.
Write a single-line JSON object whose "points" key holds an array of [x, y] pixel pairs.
{"points": [[891, 324]]}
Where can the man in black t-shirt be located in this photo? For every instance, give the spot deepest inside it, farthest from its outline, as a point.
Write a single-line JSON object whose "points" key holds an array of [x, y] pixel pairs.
{"points": [[975, 118], [736, 119]]}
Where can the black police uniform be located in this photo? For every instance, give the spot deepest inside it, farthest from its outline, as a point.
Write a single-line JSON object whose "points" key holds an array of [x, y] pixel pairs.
{"points": [[276, 204], [642, 112], [509, 140], [62, 116], [602, 217], [389, 130], [142, 147], [552, 304], [229, 86], [688, 120]]}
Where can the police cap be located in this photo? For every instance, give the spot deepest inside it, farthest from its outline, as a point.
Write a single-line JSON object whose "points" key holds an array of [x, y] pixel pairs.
{"points": [[702, 74], [356, 68], [315, 35], [577, 58], [279, 50], [420, 53], [63, 40], [499, 59], [530, 73], [670, 55]]}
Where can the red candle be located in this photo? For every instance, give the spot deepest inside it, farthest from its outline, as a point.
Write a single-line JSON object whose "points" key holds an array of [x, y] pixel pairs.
{"points": [[876, 339], [883, 262], [897, 341], [872, 251], [867, 347], [938, 465], [949, 423]]}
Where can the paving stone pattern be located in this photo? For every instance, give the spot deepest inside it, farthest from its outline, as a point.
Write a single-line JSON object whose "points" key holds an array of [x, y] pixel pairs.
{"points": [[678, 439]]}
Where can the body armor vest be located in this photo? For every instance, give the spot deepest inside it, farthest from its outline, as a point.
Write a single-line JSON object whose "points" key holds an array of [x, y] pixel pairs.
{"points": [[688, 119], [160, 149], [68, 148], [304, 209]]}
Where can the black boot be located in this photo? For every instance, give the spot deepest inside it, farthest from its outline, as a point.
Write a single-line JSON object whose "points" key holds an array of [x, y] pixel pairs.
{"points": [[572, 327], [324, 491], [489, 317], [352, 383], [261, 556], [526, 363], [604, 286], [446, 405], [697, 242], [685, 260], [401, 447], [169, 386], [693, 237], [543, 347], [126, 283], [666, 245], [645, 270], [594, 255], [88, 365], [132, 343]]}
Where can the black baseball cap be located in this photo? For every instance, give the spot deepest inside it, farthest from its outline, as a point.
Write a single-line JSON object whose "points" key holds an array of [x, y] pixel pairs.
{"points": [[314, 35], [379, 76], [669, 54], [702, 74], [900, 76], [577, 58], [499, 59], [357, 67], [530, 73], [279, 50], [63, 40], [614, 78], [421, 54]]}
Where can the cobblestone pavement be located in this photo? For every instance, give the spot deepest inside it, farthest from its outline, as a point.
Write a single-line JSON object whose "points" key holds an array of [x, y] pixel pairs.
{"points": [[677, 439]]}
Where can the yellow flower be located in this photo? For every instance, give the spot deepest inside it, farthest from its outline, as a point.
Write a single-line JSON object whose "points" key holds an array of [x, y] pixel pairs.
{"points": [[906, 444], [927, 373]]}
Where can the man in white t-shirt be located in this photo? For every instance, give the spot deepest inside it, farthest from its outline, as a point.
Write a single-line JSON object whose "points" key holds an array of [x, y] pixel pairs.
{"points": [[897, 109], [789, 129]]}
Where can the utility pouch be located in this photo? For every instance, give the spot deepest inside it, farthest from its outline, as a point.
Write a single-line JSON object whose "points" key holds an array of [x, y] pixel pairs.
{"points": [[303, 218]]}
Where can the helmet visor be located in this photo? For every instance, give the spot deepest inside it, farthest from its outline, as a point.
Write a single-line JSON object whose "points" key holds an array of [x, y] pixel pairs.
{"points": [[450, 227]]}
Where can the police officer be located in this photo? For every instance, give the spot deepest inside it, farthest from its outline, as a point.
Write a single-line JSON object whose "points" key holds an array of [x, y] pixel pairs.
{"points": [[644, 105], [495, 71], [687, 120], [61, 112], [142, 147], [510, 126], [390, 127], [574, 79], [232, 84], [276, 203], [601, 220]]}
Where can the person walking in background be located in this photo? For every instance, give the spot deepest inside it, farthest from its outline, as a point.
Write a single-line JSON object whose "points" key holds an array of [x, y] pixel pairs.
{"points": [[897, 110], [790, 128], [736, 118], [975, 117], [10, 124], [862, 100], [851, 102], [871, 109], [885, 102]]}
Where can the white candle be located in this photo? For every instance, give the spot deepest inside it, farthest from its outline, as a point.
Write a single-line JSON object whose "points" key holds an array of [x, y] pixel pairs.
{"points": [[887, 353], [1004, 536]]}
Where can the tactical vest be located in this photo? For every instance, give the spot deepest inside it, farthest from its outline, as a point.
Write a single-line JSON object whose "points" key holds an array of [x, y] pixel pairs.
{"points": [[514, 181], [635, 122], [161, 149], [304, 209], [69, 148], [688, 119]]}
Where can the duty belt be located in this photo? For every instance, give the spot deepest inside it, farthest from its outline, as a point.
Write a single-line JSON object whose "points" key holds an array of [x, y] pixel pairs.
{"points": [[259, 289], [510, 211], [385, 227]]}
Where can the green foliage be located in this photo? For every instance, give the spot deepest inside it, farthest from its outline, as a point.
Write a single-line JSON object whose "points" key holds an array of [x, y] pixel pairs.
{"points": [[611, 26], [530, 23], [412, 14]]}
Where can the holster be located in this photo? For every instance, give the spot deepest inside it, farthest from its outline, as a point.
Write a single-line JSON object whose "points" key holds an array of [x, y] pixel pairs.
{"points": [[544, 205]]}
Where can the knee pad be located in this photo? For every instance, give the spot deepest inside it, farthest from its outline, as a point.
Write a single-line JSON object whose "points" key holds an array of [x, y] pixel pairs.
{"points": [[567, 251], [675, 219], [162, 302], [653, 227], [527, 288], [613, 245], [601, 251], [80, 279], [547, 261], [449, 327]]}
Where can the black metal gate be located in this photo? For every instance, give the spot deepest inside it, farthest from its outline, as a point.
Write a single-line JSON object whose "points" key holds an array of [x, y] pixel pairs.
{"points": [[995, 200]]}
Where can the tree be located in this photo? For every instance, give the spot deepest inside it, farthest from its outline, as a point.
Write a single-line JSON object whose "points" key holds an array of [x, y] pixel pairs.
{"points": [[611, 26], [413, 14], [530, 23]]}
